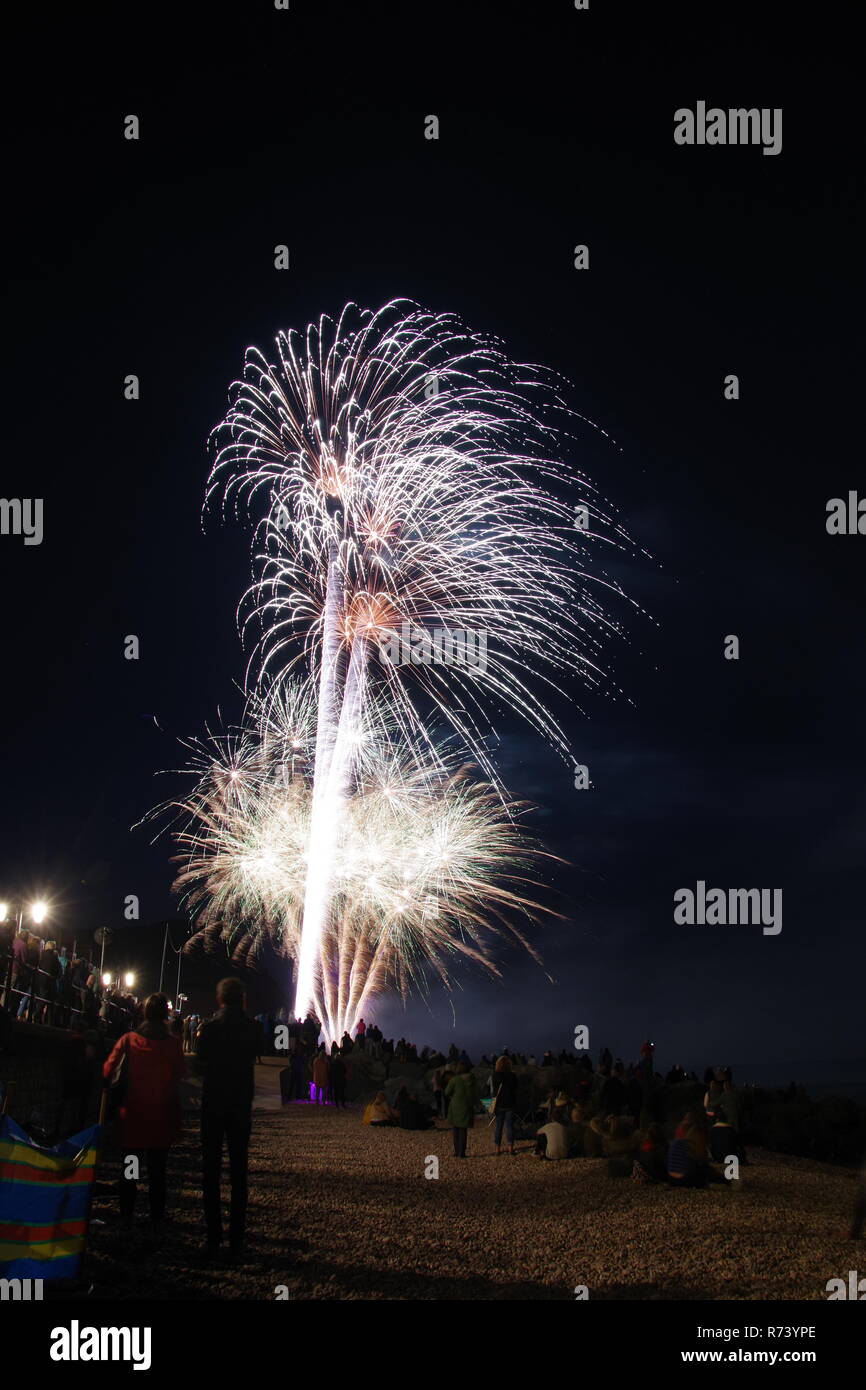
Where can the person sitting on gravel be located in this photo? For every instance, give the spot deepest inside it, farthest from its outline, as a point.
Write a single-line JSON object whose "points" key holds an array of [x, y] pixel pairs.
{"points": [[650, 1156], [724, 1142], [691, 1117], [413, 1114], [619, 1147], [593, 1137], [713, 1099], [688, 1159], [552, 1138], [576, 1127], [379, 1112], [554, 1100]]}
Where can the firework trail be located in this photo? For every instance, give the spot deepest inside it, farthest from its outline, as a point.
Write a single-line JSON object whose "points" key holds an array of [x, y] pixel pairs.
{"points": [[428, 865], [405, 472]]}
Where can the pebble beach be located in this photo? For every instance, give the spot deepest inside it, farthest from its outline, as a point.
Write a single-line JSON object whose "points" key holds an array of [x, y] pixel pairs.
{"points": [[342, 1211]]}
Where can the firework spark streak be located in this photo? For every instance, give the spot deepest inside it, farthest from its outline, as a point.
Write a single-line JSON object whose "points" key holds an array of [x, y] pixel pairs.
{"points": [[405, 471], [427, 865]]}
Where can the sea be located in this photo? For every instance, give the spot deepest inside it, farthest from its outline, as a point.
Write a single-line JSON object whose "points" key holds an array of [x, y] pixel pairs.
{"points": [[820, 1076]]}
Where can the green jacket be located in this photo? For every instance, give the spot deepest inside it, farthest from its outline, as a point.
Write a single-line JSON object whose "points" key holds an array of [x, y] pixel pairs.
{"points": [[462, 1095]]}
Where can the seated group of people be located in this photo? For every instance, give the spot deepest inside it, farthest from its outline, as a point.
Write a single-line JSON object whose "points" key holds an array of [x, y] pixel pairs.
{"points": [[700, 1139], [407, 1112]]}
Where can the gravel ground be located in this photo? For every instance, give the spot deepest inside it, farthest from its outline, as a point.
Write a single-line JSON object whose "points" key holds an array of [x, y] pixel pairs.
{"points": [[340, 1210]]}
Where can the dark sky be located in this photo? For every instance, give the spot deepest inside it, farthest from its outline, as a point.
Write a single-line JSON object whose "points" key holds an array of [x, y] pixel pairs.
{"points": [[306, 127]]}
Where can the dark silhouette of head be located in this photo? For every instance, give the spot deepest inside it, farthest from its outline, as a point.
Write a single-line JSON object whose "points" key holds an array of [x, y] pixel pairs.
{"points": [[230, 993]]}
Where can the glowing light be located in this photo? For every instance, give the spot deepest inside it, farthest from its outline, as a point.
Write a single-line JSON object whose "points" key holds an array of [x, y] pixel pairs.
{"points": [[403, 470], [39, 911], [106, 980], [429, 867], [129, 979]]}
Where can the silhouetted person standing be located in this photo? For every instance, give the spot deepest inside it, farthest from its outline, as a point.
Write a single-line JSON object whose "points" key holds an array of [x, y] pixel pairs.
{"points": [[338, 1080], [228, 1045]]}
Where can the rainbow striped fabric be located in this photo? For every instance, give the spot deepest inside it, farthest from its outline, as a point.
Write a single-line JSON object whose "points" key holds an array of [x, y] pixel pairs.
{"points": [[45, 1197]]}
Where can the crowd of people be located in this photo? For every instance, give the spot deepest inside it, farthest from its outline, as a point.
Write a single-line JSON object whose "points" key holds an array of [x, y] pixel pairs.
{"points": [[142, 1075], [608, 1112], [41, 982]]}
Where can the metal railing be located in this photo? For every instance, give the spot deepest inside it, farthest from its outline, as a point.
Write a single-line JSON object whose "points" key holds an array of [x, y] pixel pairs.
{"points": [[34, 995]]}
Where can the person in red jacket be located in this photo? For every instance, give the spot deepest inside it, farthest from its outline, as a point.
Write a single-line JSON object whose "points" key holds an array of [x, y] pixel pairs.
{"points": [[150, 1118]]}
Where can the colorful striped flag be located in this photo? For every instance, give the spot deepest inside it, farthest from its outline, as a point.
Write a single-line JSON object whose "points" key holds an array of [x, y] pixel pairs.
{"points": [[45, 1197]]}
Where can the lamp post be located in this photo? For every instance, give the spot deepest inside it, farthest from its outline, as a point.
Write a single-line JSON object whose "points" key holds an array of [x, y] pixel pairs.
{"points": [[100, 936]]}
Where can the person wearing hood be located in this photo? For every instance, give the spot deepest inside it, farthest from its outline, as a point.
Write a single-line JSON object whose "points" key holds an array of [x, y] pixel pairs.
{"points": [[150, 1117], [379, 1112]]}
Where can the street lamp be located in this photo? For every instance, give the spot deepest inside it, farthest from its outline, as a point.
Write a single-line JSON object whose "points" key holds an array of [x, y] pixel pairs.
{"points": [[37, 911], [129, 979], [106, 979]]}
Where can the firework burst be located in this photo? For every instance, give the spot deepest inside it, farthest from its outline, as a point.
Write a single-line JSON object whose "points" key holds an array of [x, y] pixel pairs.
{"points": [[429, 867], [404, 471]]}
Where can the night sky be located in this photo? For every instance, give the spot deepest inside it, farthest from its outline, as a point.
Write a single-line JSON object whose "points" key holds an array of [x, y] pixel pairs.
{"points": [[307, 128]]}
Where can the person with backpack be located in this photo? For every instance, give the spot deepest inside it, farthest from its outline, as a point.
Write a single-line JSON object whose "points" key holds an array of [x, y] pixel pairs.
{"points": [[146, 1066]]}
